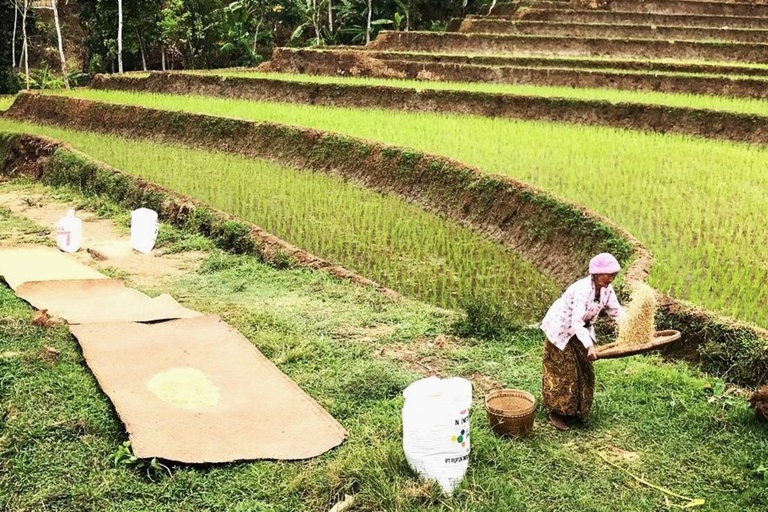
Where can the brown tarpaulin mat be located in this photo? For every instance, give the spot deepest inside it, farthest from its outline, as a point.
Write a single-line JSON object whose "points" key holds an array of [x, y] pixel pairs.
{"points": [[82, 301], [24, 264], [222, 399]]}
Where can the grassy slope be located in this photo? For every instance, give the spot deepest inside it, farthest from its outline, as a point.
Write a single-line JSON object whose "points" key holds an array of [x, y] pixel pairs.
{"points": [[58, 429], [5, 101], [742, 105], [380, 236], [710, 255]]}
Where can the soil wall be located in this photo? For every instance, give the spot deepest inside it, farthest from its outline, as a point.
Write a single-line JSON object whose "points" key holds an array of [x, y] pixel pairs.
{"points": [[754, 9], [641, 18], [612, 31], [551, 62], [494, 44]]}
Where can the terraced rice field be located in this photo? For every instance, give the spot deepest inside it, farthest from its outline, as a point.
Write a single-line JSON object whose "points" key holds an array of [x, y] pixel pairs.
{"points": [[380, 236], [697, 204], [719, 103], [711, 255]]}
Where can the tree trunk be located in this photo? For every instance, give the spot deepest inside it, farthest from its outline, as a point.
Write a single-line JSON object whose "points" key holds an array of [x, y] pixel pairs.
{"points": [[61, 43], [256, 34], [330, 16], [141, 49], [25, 46], [408, 16], [162, 56], [120, 36], [490, 10], [368, 26], [13, 40], [316, 20]]}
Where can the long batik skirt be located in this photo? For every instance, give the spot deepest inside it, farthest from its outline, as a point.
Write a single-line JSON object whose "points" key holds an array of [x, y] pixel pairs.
{"points": [[569, 379]]}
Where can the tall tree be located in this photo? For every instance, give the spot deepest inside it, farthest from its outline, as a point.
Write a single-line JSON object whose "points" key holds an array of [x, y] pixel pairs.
{"points": [[13, 36], [61, 43], [25, 44], [120, 36], [368, 25], [9, 80]]}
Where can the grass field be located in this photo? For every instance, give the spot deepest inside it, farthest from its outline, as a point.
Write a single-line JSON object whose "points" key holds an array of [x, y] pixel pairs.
{"points": [[720, 103], [380, 236], [344, 345], [714, 254], [5, 101]]}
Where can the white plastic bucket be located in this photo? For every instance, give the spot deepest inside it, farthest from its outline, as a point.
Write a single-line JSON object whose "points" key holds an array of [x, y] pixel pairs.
{"points": [[436, 429], [144, 229], [69, 232]]}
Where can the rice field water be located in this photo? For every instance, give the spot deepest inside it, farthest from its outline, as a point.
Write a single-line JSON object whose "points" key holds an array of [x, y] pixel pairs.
{"points": [[378, 235], [714, 255]]}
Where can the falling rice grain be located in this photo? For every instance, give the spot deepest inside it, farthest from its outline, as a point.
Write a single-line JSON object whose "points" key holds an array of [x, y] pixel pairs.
{"points": [[638, 326]]}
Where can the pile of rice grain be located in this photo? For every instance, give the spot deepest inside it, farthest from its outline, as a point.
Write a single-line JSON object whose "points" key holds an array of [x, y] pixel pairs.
{"points": [[638, 327], [188, 388]]}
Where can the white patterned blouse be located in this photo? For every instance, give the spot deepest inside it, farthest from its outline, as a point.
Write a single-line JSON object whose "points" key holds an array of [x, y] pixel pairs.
{"points": [[574, 313]]}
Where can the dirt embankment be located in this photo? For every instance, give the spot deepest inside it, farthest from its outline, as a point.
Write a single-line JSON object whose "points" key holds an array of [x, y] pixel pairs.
{"points": [[641, 18], [553, 62], [341, 63], [633, 116], [612, 31], [758, 9], [524, 218], [494, 44], [749, 9]]}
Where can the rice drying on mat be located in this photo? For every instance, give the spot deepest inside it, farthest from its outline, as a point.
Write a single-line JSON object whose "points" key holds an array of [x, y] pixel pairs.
{"points": [[188, 388], [638, 325]]}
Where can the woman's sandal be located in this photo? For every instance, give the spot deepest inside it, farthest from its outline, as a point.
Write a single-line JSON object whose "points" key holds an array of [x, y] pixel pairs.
{"points": [[558, 421]]}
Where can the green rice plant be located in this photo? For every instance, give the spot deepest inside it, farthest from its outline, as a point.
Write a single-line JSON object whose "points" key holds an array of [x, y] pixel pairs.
{"points": [[698, 204], [378, 235]]}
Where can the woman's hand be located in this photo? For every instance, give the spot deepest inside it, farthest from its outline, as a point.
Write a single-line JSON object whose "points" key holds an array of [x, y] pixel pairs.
{"points": [[592, 353]]}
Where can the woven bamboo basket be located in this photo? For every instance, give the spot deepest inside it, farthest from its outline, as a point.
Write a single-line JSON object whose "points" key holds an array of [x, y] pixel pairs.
{"points": [[660, 339], [510, 412]]}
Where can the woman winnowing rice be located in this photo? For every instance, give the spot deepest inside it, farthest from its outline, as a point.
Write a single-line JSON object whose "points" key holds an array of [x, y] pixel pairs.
{"points": [[569, 377]]}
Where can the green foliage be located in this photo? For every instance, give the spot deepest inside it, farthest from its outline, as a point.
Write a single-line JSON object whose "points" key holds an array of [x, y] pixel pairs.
{"points": [[200, 220], [224, 33], [485, 318], [9, 82], [154, 470], [235, 237], [280, 260], [140, 32], [42, 78]]}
